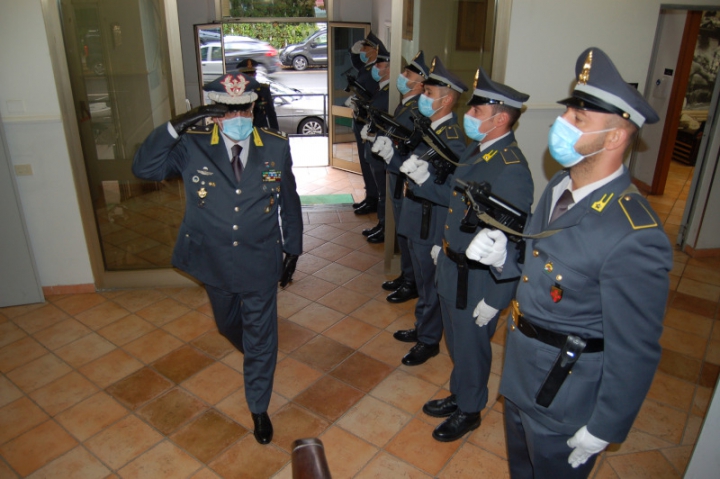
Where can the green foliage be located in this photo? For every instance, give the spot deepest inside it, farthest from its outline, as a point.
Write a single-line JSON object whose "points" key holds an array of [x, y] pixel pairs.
{"points": [[274, 8], [278, 35]]}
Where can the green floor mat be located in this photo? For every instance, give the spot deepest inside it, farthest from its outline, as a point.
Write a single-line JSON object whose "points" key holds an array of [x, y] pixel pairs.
{"points": [[306, 200]]}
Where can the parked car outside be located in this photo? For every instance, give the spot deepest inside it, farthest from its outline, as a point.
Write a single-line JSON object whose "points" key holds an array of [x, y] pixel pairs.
{"points": [[297, 112], [311, 51], [236, 49]]}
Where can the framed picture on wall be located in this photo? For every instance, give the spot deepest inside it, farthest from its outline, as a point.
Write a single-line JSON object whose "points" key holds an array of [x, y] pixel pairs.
{"points": [[472, 16], [408, 19]]}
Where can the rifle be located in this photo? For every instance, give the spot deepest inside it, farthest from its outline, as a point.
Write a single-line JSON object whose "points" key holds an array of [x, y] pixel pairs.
{"points": [[491, 210], [440, 156], [405, 139], [361, 98]]}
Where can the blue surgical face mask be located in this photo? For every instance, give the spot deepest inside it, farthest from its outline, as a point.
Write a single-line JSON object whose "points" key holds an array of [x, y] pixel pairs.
{"points": [[402, 84], [425, 105], [472, 127], [562, 140], [375, 72], [363, 57], [237, 128]]}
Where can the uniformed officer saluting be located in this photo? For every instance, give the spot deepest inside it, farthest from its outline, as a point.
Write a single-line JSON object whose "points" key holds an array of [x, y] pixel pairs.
{"points": [[238, 182], [424, 209], [469, 295], [592, 296]]}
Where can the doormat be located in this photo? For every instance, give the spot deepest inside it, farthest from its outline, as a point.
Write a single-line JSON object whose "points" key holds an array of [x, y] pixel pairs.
{"points": [[306, 200]]}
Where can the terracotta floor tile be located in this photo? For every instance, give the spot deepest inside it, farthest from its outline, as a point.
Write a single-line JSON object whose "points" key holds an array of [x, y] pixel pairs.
{"points": [[352, 332], [701, 401], [193, 296], [688, 322], [692, 430], [170, 411], [235, 407], [490, 436], [346, 454], [661, 421], [205, 474], [15, 311], [366, 284], [309, 264], [64, 392], [126, 329], [702, 273], [92, 415], [110, 368], [374, 421], [123, 441], [471, 462], [102, 315], [414, 444], [9, 333], [343, 300], [709, 375], [163, 461], [316, 317], [713, 352], [292, 422], [214, 344], [163, 311], [208, 435], [236, 360], [682, 342], [291, 336], [679, 457], [680, 365], [20, 352], [182, 363], [436, 370], [61, 333], [8, 391], [672, 391], [293, 377], [329, 398], [701, 290], [85, 349], [350, 240], [37, 447], [38, 372], [289, 303], [648, 465], [694, 304], [361, 371], [214, 383], [325, 232], [249, 460], [404, 391], [139, 388], [74, 304], [322, 353], [377, 313], [310, 243], [359, 261], [385, 348], [152, 346], [138, 299], [385, 465], [311, 287], [41, 318], [78, 463], [337, 274], [330, 251], [18, 417], [189, 326]]}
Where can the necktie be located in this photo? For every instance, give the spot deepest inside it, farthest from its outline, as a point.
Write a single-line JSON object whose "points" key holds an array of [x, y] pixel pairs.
{"points": [[562, 205], [236, 162]]}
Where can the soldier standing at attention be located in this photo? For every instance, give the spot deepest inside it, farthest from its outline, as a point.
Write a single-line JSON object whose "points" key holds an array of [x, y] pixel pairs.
{"points": [[592, 296], [238, 186], [470, 296], [264, 115], [422, 217]]}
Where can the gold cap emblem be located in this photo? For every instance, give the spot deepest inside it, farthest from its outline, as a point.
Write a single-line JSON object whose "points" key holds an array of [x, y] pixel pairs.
{"points": [[477, 75], [584, 76], [432, 65]]}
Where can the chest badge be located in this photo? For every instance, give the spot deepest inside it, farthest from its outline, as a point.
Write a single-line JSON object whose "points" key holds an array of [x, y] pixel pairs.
{"points": [[556, 293], [202, 193], [548, 267]]}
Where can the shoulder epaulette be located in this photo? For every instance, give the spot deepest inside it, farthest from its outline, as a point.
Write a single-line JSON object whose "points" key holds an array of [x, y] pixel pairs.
{"points": [[452, 132], [273, 132], [200, 129], [637, 212], [510, 154]]}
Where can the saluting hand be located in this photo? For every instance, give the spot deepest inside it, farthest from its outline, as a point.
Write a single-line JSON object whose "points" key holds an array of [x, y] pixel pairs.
{"points": [[186, 120]]}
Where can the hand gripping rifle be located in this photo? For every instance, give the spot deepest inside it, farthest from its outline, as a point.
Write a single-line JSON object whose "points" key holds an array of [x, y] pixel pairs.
{"points": [[491, 210], [440, 156], [361, 98], [405, 139]]}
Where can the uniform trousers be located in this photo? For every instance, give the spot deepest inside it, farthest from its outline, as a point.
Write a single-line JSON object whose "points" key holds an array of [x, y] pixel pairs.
{"points": [[536, 452], [406, 266], [371, 192], [428, 319], [249, 321], [470, 350], [378, 169]]}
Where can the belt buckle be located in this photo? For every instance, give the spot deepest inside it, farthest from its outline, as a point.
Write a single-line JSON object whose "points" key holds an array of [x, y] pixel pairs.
{"points": [[515, 314]]}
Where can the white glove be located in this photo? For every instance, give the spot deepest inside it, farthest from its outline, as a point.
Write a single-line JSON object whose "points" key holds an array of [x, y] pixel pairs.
{"points": [[383, 147], [488, 247], [365, 135], [584, 445], [350, 102], [434, 252], [409, 165], [421, 173], [483, 313], [357, 47]]}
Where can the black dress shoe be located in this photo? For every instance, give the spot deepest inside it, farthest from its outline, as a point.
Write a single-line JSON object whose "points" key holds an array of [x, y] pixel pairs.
{"points": [[441, 407], [406, 335], [456, 426], [420, 353], [373, 230], [366, 209], [406, 292], [378, 237], [358, 205], [394, 284], [263, 428]]}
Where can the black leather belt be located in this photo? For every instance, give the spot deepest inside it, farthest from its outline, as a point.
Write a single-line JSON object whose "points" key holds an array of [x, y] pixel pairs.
{"points": [[464, 265], [551, 338], [426, 212]]}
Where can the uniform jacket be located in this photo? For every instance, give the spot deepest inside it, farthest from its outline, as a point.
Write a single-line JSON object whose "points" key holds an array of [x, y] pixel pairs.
{"points": [[230, 236], [403, 115], [503, 166], [381, 101], [264, 115], [411, 215], [611, 260]]}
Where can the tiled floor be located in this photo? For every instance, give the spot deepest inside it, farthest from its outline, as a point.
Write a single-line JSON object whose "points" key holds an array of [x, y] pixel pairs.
{"points": [[140, 384]]}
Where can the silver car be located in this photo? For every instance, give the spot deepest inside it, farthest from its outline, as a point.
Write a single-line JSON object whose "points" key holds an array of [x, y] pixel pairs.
{"points": [[297, 112]]}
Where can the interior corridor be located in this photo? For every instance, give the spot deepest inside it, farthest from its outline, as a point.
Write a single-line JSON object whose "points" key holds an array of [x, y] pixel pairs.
{"points": [[138, 383]]}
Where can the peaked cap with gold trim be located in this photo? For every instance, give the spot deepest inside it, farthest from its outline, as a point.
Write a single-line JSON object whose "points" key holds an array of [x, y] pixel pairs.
{"points": [[486, 91], [417, 65], [233, 89], [441, 76], [601, 88]]}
